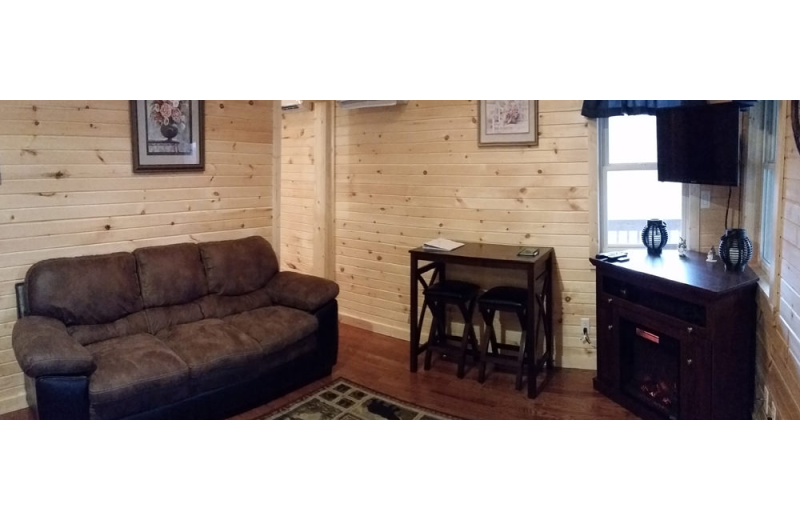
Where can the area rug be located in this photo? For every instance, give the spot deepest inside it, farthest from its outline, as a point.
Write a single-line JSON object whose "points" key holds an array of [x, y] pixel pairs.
{"points": [[345, 400]]}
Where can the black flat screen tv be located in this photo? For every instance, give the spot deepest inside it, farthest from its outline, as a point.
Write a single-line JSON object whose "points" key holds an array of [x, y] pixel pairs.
{"points": [[699, 144]]}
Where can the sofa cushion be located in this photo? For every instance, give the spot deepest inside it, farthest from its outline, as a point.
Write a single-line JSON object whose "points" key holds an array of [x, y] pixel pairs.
{"points": [[301, 291], [217, 354], [236, 267], [135, 373], [161, 318], [219, 306], [274, 327], [170, 275], [135, 323], [85, 290]]}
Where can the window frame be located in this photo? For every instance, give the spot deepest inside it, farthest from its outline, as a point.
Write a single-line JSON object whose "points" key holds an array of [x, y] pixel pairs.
{"points": [[602, 187], [755, 214]]}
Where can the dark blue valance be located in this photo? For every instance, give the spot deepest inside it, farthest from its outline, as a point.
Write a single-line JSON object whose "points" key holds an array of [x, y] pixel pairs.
{"points": [[594, 108], [745, 105], [606, 108]]}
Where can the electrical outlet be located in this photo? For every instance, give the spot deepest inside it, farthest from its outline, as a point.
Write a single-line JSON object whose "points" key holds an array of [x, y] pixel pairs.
{"points": [[773, 412], [765, 395], [705, 199], [585, 324]]}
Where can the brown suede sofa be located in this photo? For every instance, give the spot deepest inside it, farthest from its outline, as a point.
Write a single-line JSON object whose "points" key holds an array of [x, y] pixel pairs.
{"points": [[181, 331]]}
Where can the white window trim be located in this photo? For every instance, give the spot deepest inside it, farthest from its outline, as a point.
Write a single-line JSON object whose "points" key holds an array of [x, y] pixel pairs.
{"points": [[780, 163], [689, 219], [751, 191]]}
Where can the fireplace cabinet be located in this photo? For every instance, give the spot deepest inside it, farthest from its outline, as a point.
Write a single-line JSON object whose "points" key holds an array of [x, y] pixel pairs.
{"points": [[676, 336]]}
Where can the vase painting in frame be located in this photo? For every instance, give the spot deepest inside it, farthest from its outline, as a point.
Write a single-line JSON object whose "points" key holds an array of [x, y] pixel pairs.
{"points": [[508, 123], [167, 136]]}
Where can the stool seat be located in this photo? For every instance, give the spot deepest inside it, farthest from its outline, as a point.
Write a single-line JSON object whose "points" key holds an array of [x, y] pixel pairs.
{"points": [[502, 296], [452, 290]]}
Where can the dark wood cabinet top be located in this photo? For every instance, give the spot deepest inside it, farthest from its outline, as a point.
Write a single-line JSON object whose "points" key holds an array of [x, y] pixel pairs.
{"points": [[692, 271], [476, 253]]}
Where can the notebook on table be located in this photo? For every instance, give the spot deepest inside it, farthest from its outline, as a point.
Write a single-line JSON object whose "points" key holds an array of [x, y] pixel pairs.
{"points": [[441, 244]]}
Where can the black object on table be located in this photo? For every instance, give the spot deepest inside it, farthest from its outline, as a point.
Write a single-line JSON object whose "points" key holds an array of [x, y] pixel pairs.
{"points": [[538, 270]]}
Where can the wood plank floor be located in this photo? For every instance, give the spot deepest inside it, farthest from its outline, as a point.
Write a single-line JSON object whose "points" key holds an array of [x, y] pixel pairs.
{"points": [[381, 363]]}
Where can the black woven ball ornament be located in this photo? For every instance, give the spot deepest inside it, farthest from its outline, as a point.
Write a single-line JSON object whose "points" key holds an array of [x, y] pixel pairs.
{"points": [[735, 249], [655, 236]]}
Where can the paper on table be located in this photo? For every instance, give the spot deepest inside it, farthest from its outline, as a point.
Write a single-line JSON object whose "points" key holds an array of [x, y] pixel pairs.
{"points": [[442, 244]]}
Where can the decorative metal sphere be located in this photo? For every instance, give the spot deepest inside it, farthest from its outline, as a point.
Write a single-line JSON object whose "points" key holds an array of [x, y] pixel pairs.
{"points": [[735, 249], [655, 236]]}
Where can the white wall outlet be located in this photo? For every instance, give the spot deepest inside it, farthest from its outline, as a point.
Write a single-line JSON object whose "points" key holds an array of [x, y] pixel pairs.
{"points": [[773, 412], [705, 199], [586, 327], [765, 395]]}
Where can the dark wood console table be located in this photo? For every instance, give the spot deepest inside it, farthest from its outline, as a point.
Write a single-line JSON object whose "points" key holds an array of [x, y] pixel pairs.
{"points": [[676, 336], [538, 270]]}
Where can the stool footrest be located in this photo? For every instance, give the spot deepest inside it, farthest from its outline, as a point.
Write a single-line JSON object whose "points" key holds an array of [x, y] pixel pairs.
{"points": [[502, 359], [449, 349]]}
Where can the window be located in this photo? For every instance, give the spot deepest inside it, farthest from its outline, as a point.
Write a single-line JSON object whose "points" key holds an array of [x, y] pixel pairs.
{"points": [[761, 181], [630, 193]]}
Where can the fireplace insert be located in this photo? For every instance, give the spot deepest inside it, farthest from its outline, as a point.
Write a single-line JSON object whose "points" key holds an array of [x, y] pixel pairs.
{"points": [[650, 367]]}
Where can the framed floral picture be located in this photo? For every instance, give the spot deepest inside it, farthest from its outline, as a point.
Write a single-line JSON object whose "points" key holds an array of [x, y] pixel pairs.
{"points": [[167, 136], [508, 123]]}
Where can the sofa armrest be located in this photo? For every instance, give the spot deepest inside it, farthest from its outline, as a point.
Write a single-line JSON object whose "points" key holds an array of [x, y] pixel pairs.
{"points": [[44, 348], [301, 291]]}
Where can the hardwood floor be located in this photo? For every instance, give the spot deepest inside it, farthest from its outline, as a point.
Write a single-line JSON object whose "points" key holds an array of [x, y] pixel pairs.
{"points": [[381, 363]]}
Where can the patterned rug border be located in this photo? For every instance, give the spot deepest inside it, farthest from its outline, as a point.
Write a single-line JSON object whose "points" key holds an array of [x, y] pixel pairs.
{"points": [[339, 380]]}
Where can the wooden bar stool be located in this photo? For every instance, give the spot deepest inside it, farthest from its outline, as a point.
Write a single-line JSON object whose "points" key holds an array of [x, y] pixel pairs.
{"points": [[437, 296], [508, 299]]}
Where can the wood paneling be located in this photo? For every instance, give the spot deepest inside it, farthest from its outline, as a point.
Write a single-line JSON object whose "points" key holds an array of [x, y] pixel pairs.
{"points": [[68, 189], [712, 219], [297, 190], [778, 337], [410, 173]]}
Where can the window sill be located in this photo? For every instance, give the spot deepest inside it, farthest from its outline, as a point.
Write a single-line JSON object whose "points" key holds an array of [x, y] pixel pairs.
{"points": [[764, 281]]}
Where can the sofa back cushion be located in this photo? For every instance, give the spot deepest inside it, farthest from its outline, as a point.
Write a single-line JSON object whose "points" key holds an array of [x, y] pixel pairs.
{"points": [[219, 306], [160, 318], [170, 275], [135, 323], [235, 267], [86, 290]]}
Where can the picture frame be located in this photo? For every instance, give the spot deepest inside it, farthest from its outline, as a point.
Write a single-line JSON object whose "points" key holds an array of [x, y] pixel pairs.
{"points": [[508, 123], [167, 136]]}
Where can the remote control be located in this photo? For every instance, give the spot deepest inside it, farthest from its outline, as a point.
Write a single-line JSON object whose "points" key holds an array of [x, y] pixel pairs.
{"points": [[613, 256]]}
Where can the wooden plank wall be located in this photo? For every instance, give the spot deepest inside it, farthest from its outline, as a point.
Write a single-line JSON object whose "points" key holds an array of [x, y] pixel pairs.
{"points": [[297, 190], [779, 330], [712, 219], [68, 189], [410, 173]]}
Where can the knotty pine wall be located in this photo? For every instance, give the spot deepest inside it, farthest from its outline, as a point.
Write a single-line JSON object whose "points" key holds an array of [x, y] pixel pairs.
{"points": [[297, 190], [712, 219], [68, 189], [778, 334], [410, 173]]}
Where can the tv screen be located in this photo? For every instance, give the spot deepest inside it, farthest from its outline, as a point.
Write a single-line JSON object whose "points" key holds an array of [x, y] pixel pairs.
{"points": [[699, 145]]}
